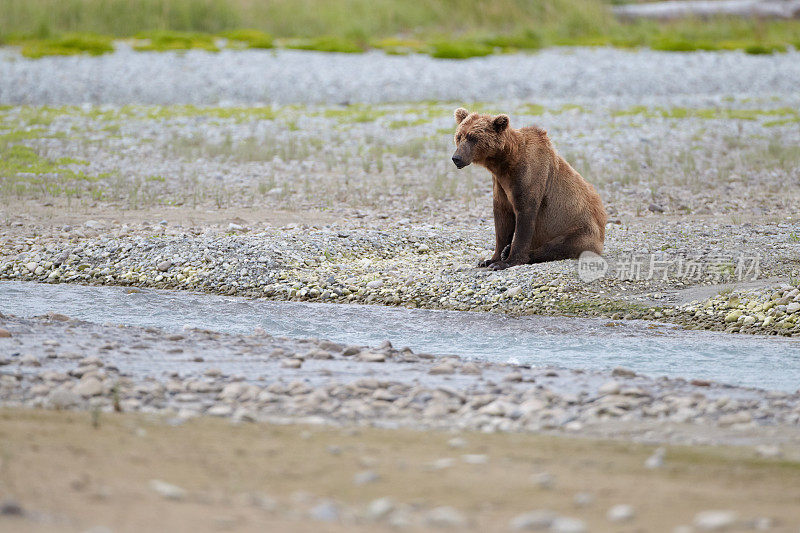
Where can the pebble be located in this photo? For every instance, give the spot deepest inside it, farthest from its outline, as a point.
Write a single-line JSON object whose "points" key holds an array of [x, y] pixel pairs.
{"points": [[167, 490], [442, 368], [565, 524], [4, 333], [623, 372], [365, 477], [291, 363], [583, 499], [88, 387], [769, 451], [533, 520], [621, 513], [380, 508], [656, 460], [63, 399], [714, 520], [543, 480], [10, 507], [445, 517], [29, 360], [371, 357], [609, 387], [327, 511]]}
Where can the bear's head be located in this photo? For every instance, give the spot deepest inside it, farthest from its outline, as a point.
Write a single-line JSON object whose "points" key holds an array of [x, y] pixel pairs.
{"points": [[478, 137]]}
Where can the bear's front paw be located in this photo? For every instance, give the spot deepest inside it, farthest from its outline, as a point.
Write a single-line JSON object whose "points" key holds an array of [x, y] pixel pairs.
{"points": [[485, 263], [505, 253], [499, 265]]}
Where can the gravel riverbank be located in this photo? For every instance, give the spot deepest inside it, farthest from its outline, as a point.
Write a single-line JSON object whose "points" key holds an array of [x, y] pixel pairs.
{"points": [[62, 363], [287, 76]]}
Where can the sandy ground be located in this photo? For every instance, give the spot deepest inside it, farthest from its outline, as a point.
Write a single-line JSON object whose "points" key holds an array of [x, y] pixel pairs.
{"points": [[69, 474]]}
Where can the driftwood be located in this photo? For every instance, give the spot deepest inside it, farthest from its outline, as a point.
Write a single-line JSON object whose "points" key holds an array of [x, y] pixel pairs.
{"points": [[769, 9]]}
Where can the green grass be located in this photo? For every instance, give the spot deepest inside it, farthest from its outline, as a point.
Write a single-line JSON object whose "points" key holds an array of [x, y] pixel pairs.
{"points": [[69, 44], [24, 172], [250, 38], [162, 40], [443, 28], [714, 113], [463, 49], [327, 43]]}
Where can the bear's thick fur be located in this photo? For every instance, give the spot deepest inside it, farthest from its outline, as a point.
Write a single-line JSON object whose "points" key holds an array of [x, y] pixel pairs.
{"points": [[543, 209]]}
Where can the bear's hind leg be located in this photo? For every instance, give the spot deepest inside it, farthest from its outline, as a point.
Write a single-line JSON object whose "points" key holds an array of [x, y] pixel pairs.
{"points": [[566, 247]]}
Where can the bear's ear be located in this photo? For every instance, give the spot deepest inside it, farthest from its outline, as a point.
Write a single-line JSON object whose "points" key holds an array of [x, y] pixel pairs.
{"points": [[461, 114], [500, 123]]}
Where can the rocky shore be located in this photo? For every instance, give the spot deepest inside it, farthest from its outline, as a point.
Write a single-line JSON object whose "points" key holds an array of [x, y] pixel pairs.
{"points": [[430, 267], [61, 363]]}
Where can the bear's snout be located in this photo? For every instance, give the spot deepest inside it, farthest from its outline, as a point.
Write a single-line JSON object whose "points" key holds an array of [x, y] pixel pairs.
{"points": [[460, 163]]}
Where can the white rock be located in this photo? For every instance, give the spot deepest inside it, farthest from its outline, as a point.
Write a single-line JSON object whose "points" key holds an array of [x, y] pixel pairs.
{"points": [[583, 499], [365, 477], [63, 399], [513, 291], [656, 460], [565, 524], [620, 513], [445, 517], [371, 357], [714, 520], [220, 410], [375, 284], [769, 451], [543, 480], [167, 490], [533, 520], [443, 368], [609, 387], [29, 360], [87, 387], [327, 511], [456, 442], [380, 508], [793, 308]]}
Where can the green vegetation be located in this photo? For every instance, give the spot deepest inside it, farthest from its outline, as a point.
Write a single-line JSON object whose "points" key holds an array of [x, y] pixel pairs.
{"points": [[459, 49], [441, 28], [327, 44], [251, 38], [23, 171], [162, 40], [69, 44], [714, 113]]}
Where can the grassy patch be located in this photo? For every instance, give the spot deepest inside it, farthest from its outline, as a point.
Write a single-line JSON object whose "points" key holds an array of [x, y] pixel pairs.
{"points": [[398, 46], [524, 40], [355, 113], [709, 113], [71, 44], [164, 40], [398, 124], [25, 173], [250, 38], [470, 29], [327, 44], [459, 49]]}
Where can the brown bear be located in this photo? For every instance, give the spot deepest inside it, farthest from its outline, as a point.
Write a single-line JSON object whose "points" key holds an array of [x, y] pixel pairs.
{"points": [[543, 209]]}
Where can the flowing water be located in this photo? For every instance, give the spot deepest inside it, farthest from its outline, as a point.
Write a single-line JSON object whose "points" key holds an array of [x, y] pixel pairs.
{"points": [[651, 348]]}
